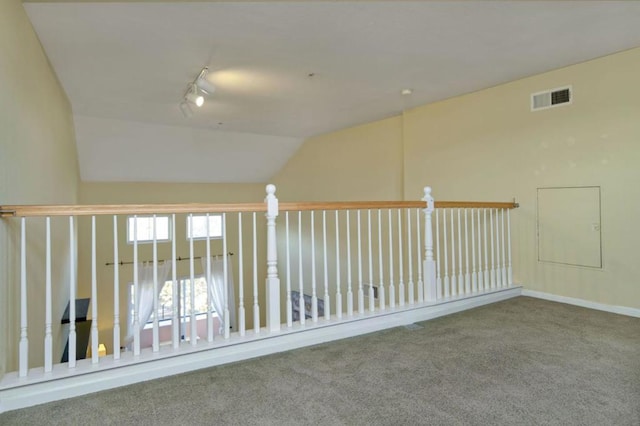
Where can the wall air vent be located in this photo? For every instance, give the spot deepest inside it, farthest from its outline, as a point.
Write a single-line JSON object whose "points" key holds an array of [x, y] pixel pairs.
{"points": [[551, 98]]}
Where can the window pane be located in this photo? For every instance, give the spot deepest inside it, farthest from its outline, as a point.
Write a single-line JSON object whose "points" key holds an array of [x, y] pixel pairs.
{"points": [[143, 227], [200, 226]]}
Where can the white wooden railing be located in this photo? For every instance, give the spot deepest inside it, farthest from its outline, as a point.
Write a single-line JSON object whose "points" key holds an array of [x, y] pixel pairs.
{"points": [[351, 259]]}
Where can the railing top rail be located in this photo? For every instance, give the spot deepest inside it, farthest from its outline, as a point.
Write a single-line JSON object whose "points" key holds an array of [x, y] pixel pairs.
{"points": [[146, 209], [364, 205]]}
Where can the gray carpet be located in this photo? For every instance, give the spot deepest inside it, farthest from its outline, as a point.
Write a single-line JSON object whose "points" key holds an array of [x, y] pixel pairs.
{"points": [[522, 361]]}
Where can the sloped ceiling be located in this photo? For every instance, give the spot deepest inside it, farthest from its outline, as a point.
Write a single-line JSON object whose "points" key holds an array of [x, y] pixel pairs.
{"points": [[285, 71]]}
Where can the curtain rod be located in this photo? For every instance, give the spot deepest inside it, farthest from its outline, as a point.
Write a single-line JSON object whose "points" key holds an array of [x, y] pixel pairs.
{"points": [[178, 259]]}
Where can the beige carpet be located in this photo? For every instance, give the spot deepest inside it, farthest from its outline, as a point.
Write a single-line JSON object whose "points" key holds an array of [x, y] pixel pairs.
{"points": [[522, 361]]}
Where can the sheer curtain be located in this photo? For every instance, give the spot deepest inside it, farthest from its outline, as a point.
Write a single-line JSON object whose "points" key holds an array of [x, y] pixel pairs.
{"points": [[144, 297], [216, 288]]}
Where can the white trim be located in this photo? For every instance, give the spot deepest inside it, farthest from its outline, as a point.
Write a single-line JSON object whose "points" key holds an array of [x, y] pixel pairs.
{"points": [[86, 378], [621, 310]]}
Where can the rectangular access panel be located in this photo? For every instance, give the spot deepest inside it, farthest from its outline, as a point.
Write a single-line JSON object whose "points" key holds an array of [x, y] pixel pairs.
{"points": [[569, 226]]}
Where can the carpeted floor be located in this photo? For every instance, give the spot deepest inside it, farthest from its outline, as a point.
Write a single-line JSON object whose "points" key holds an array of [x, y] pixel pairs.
{"points": [[522, 361]]}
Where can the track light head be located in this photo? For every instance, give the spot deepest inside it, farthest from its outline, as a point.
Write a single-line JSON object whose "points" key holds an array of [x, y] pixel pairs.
{"points": [[194, 97], [205, 85]]}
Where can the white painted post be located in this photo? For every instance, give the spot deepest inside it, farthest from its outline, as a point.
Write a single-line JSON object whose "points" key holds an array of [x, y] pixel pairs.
{"points": [[504, 259], [474, 272], [493, 263], [288, 251], [273, 282], [156, 325], [209, 283], [467, 272], [116, 291], [314, 296], [225, 271], [360, 288], [94, 295], [372, 306], [381, 295], [71, 352], [338, 285], [420, 282], [48, 339], [446, 283], [392, 287], [175, 319], [461, 287], [410, 260], [301, 307], [256, 306], [429, 262], [509, 270], [327, 310], [400, 262], [487, 279], [498, 250], [480, 270], [192, 302], [438, 271], [24, 341], [349, 289], [242, 324], [454, 279], [136, 294]]}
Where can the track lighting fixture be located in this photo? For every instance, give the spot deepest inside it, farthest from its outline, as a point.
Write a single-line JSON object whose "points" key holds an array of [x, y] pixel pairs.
{"points": [[193, 95]]}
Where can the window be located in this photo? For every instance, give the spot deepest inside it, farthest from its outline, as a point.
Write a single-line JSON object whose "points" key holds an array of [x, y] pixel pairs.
{"points": [[200, 226], [143, 228]]}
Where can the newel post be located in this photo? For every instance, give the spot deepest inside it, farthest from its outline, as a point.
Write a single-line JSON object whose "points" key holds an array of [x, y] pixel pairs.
{"points": [[429, 263], [273, 282]]}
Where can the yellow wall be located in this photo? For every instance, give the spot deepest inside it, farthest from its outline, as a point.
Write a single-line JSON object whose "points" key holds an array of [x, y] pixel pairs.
{"points": [[360, 163], [489, 145], [38, 164], [155, 193]]}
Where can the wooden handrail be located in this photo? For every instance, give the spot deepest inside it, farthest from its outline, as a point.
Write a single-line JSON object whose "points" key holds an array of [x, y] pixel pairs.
{"points": [[147, 209]]}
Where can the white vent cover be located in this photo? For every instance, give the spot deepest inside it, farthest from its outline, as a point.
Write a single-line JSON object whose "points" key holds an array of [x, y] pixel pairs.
{"points": [[551, 98]]}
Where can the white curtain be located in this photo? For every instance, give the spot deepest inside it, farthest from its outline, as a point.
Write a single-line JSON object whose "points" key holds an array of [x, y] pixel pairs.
{"points": [[145, 296], [216, 289]]}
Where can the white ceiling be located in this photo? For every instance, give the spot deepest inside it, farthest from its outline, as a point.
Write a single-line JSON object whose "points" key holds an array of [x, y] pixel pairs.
{"points": [[125, 67]]}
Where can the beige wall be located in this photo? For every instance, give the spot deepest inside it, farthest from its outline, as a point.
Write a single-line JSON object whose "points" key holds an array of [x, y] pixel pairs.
{"points": [[38, 164], [488, 145], [154, 193], [360, 163]]}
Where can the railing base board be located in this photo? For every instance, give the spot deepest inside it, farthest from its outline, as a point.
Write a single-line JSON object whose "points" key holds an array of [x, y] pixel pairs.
{"points": [[620, 310], [63, 383]]}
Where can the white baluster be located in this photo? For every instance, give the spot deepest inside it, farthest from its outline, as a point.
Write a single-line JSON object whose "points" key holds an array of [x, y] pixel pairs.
{"points": [[467, 275], [116, 291], [371, 293], [136, 291], [48, 340], [327, 311], [24, 341], [349, 289], [420, 283], [94, 295], [256, 307], [192, 289], [460, 276], [480, 269], [498, 276], [429, 263], [273, 281], [156, 325], [438, 269], [314, 296], [381, 295], [242, 321], [209, 282], [509, 270], [225, 271], [175, 299], [71, 351], [300, 271], [410, 260], [288, 251], [392, 287], [493, 264], [487, 278], [504, 259], [401, 296], [360, 288], [454, 280], [338, 284], [474, 271], [446, 282]]}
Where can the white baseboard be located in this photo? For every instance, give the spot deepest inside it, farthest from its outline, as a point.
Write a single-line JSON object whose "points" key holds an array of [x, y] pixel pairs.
{"points": [[622, 310], [87, 378]]}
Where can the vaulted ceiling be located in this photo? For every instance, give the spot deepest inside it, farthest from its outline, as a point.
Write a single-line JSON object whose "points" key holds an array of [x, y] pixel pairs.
{"points": [[285, 71]]}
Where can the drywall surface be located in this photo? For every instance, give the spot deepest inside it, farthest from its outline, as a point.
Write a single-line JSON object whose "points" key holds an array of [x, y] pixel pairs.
{"points": [[38, 165]]}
